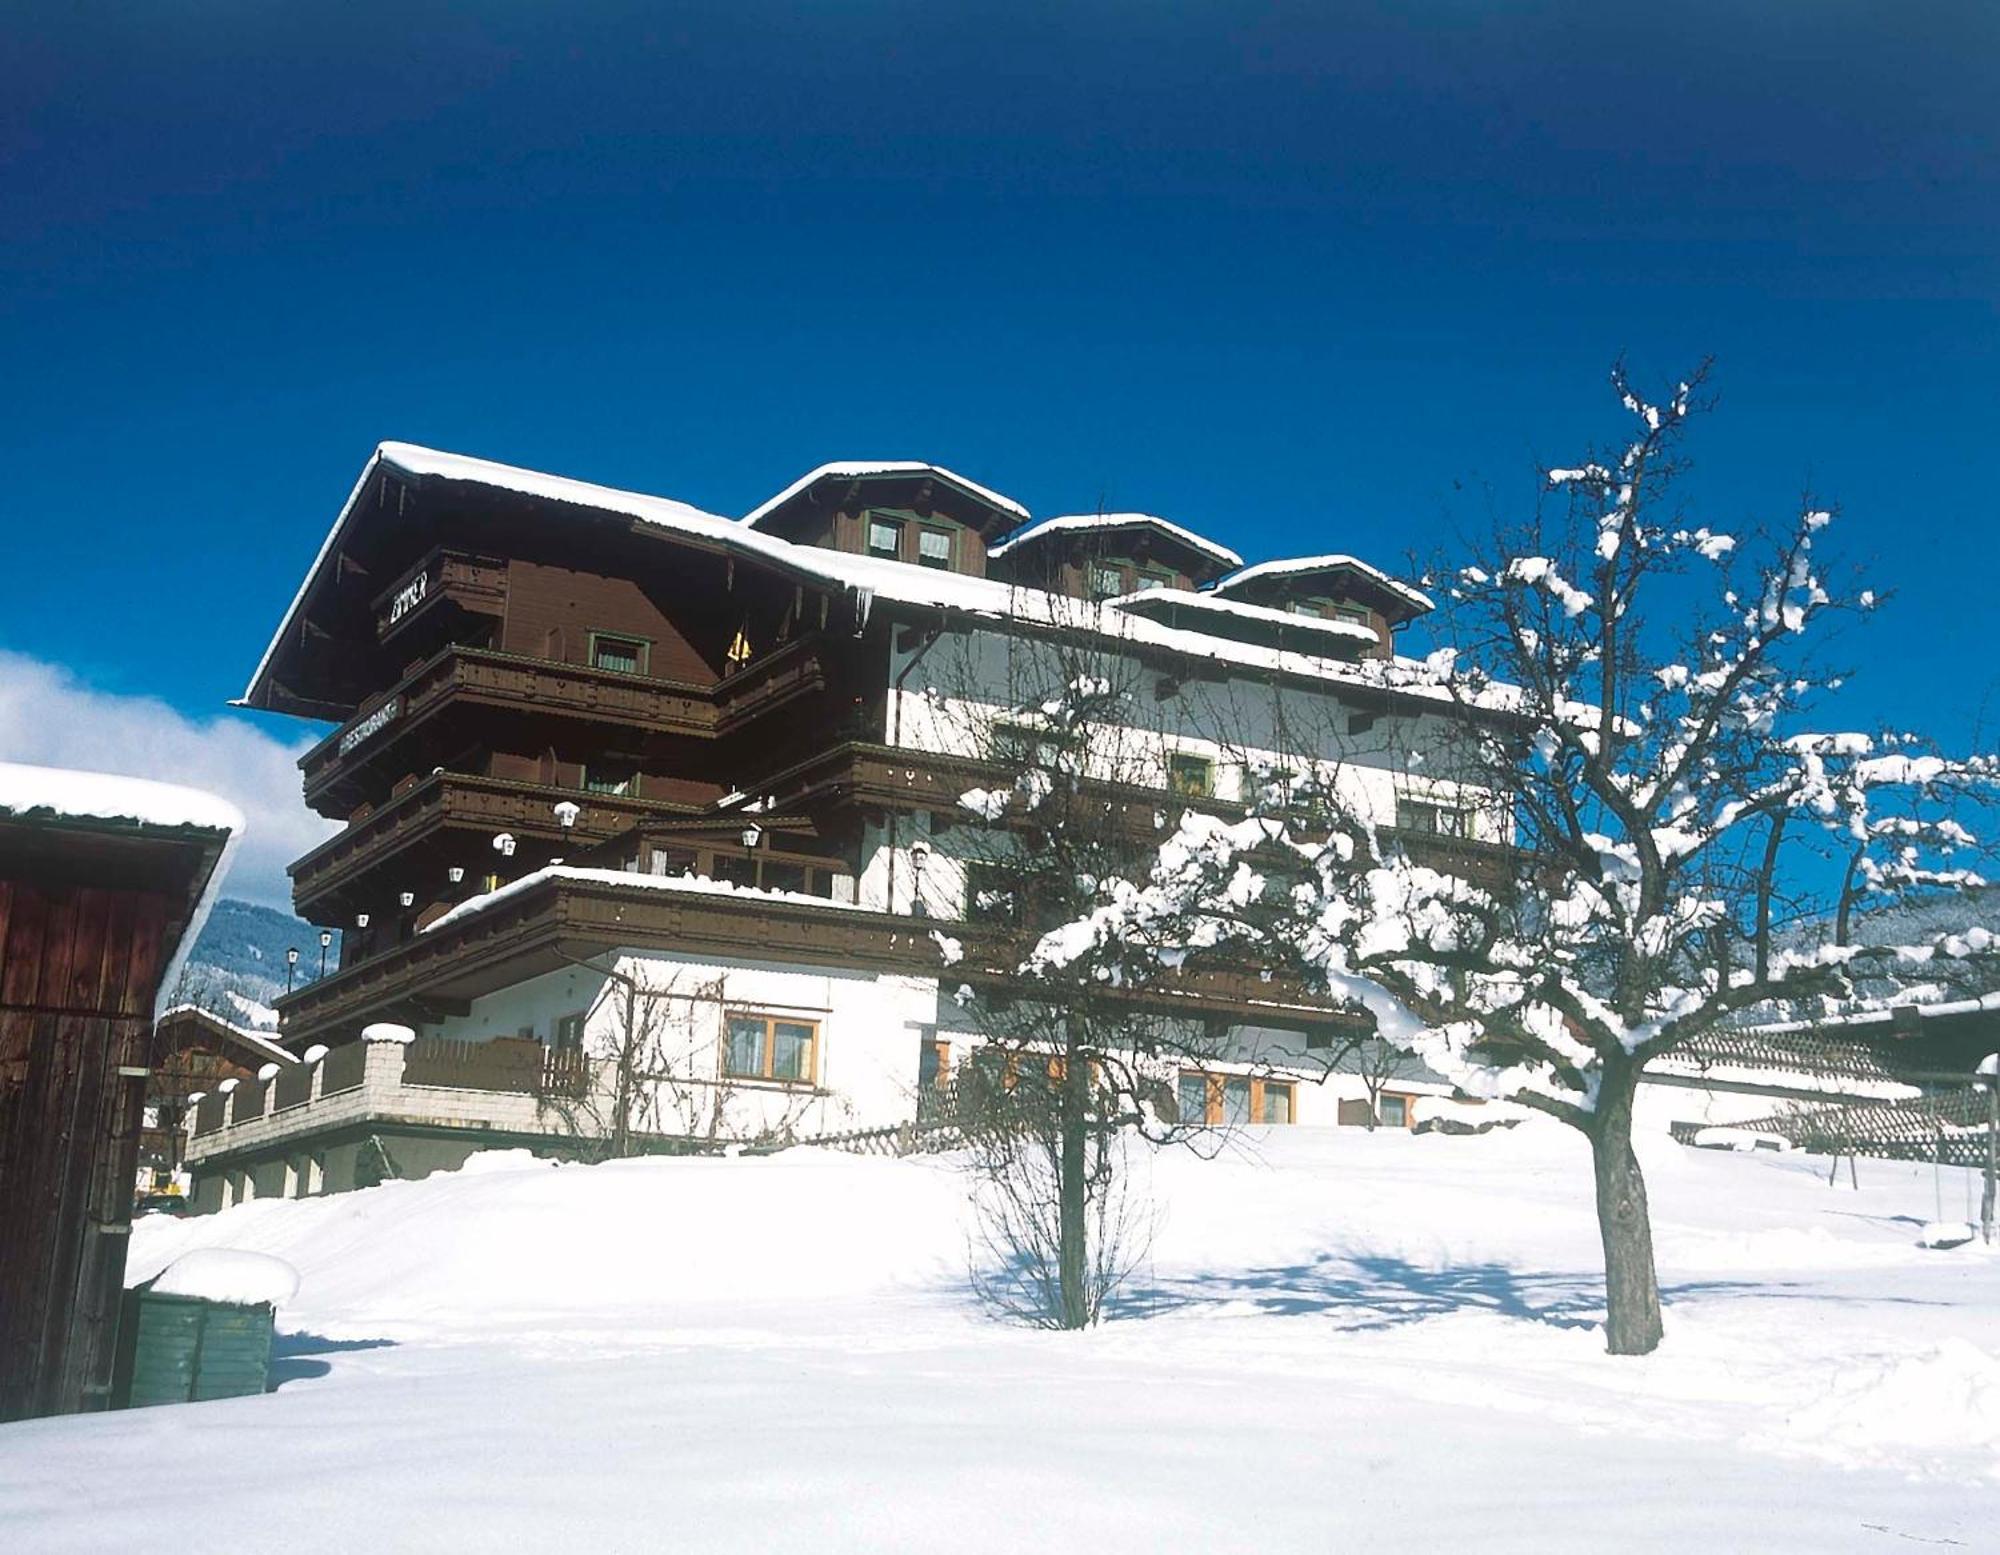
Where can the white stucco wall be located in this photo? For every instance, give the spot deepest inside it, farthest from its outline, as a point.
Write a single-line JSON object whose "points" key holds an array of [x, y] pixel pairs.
{"points": [[869, 1033]]}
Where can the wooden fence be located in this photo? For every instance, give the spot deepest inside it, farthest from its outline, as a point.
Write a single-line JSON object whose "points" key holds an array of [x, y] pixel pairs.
{"points": [[343, 1068], [292, 1088], [515, 1064]]}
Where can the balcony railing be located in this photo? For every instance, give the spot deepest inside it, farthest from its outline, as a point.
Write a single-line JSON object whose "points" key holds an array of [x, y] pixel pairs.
{"points": [[486, 677], [498, 1086], [479, 804], [476, 583]]}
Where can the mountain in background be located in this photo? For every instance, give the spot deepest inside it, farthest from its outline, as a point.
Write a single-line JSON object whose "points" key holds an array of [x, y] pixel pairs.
{"points": [[242, 949]]}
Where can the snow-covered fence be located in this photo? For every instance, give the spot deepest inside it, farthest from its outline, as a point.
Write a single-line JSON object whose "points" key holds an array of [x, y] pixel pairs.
{"points": [[1950, 1127]]}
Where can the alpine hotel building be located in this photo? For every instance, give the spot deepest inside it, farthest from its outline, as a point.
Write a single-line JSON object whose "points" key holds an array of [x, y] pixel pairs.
{"points": [[619, 777]]}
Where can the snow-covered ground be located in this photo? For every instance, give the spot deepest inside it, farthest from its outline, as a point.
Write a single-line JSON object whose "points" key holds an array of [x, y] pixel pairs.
{"points": [[1339, 1341]]}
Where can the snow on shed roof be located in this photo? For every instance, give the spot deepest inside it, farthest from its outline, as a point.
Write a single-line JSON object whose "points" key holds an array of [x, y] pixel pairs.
{"points": [[1286, 566], [1070, 522], [103, 796], [65, 796], [858, 469]]}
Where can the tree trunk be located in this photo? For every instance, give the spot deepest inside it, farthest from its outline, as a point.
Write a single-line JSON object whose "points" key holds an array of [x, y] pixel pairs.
{"points": [[1631, 1286], [1072, 1253], [621, 1130]]}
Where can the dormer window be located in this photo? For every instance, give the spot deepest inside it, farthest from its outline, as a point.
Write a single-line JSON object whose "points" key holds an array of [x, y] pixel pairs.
{"points": [[1354, 613], [1155, 580], [934, 548], [1302, 607], [626, 655], [885, 538], [1106, 582]]}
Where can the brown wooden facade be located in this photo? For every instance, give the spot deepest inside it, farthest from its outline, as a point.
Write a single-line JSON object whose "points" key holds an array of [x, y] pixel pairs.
{"points": [[546, 670], [91, 913]]}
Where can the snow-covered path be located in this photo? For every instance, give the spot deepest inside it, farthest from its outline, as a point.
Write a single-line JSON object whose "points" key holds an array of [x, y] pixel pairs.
{"points": [[1339, 1341]]}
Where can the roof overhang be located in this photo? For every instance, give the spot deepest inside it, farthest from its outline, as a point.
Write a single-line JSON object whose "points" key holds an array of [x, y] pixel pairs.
{"points": [[1005, 512], [424, 468], [1072, 526], [1399, 601]]}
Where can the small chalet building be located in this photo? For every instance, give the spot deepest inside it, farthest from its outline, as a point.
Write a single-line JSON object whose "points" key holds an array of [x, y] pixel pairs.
{"points": [[632, 790], [104, 883]]}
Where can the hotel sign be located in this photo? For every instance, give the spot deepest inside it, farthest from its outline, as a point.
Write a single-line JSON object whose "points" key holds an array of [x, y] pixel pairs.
{"points": [[372, 725], [409, 596]]}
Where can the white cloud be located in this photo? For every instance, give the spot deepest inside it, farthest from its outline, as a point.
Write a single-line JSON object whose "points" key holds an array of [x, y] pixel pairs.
{"points": [[49, 717]]}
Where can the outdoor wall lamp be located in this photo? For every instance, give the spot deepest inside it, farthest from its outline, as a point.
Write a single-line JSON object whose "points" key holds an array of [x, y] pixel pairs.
{"points": [[408, 898], [566, 814], [752, 835], [504, 844], [361, 920], [455, 874]]}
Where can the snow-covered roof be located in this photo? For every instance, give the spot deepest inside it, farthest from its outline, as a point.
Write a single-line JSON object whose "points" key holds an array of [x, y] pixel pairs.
{"points": [[860, 469], [62, 795], [870, 578], [1300, 565], [104, 796], [1173, 601], [1073, 522], [1883, 1014], [412, 459], [256, 1041], [693, 885]]}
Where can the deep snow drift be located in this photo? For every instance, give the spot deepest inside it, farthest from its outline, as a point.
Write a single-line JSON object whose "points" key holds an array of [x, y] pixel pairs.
{"points": [[1339, 1340]]}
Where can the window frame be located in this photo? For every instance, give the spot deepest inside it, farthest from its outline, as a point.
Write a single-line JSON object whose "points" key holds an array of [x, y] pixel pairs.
{"points": [[1452, 821], [1402, 1104], [573, 1023], [895, 525], [642, 656], [1178, 762], [808, 1080], [949, 561], [626, 787], [1215, 1104], [1093, 584]]}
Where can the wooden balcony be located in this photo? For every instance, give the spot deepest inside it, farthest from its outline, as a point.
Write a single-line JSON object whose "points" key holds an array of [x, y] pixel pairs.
{"points": [[434, 1082], [561, 921], [477, 584], [455, 802], [900, 777], [458, 676]]}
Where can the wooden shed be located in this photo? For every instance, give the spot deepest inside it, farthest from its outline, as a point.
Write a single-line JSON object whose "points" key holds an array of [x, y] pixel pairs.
{"points": [[104, 882]]}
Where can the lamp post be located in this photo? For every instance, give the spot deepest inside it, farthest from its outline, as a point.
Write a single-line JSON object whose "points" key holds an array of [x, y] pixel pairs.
{"points": [[325, 940], [291, 965]]}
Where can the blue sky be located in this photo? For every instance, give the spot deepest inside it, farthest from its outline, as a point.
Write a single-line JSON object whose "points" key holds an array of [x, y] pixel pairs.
{"points": [[1302, 276]]}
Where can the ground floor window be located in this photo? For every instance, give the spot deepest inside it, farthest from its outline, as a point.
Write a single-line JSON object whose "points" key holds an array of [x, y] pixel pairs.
{"points": [[770, 1047], [1218, 1099], [1395, 1112]]}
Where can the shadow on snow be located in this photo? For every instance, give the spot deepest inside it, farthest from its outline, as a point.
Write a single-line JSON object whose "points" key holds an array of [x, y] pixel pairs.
{"points": [[295, 1357]]}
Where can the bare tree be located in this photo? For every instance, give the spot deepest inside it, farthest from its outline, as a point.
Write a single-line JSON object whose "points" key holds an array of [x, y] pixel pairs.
{"points": [[649, 1075], [1644, 709], [1068, 1058]]}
